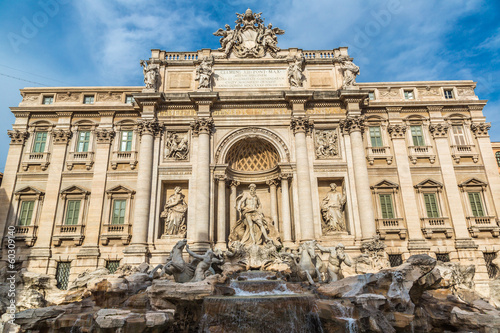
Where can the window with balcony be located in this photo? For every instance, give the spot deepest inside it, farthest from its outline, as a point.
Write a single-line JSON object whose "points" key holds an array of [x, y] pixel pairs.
{"points": [[70, 225], [417, 135], [375, 136], [39, 142], [26, 205], [72, 212], [26, 213], [432, 209], [118, 212], [386, 202], [409, 94], [475, 199], [118, 208], [83, 140], [126, 141]]}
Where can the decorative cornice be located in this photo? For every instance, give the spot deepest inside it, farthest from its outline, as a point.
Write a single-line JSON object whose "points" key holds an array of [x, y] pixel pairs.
{"points": [[61, 136], [439, 130], [480, 129], [202, 125], [17, 137], [435, 108], [352, 124], [104, 135], [148, 127], [301, 125], [397, 131]]}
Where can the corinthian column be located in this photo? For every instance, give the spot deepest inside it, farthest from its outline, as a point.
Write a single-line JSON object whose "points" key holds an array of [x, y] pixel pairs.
{"points": [[221, 211], [274, 201], [300, 127], [232, 204], [285, 208], [137, 251], [354, 126], [202, 127]]}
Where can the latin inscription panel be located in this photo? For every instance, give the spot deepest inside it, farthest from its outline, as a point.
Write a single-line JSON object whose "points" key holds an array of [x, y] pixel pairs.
{"points": [[250, 78]]}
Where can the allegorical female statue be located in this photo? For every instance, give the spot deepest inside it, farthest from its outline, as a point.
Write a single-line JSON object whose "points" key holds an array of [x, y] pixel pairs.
{"points": [[174, 213], [332, 208]]}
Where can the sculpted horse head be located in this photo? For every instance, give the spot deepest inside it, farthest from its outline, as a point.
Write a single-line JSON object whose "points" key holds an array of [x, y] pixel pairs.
{"points": [[307, 263]]}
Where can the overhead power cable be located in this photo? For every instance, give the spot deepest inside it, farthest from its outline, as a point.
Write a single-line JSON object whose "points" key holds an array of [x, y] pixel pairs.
{"points": [[18, 78], [44, 77]]}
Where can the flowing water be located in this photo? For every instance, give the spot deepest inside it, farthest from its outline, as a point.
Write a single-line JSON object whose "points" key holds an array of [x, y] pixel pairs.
{"points": [[261, 303]]}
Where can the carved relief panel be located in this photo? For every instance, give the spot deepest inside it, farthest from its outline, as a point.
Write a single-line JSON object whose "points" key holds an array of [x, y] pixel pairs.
{"points": [[176, 146], [326, 144]]}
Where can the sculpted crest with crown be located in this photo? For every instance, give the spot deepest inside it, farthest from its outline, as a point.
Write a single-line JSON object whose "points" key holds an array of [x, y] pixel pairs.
{"points": [[250, 37]]}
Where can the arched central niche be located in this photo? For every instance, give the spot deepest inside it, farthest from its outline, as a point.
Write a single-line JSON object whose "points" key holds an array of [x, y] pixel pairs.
{"points": [[252, 155]]}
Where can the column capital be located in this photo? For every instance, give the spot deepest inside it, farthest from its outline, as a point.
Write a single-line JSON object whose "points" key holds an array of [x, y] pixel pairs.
{"points": [[148, 127], [202, 125], [480, 129], [353, 124], [17, 137], [61, 136], [104, 135], [272, 182], [220, 177], [439, 130], [301, 125], [397, 131]]}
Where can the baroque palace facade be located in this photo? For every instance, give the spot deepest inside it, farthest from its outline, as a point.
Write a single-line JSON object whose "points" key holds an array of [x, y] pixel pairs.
{"points": [[98, 176]]}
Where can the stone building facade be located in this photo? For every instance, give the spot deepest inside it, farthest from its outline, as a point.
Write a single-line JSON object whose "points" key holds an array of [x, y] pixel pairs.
{"points": [[101, 175]]}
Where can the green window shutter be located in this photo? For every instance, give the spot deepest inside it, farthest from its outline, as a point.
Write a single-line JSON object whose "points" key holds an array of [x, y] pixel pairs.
{"points": [[73, 209], [83, 142], [118, 212], [431, 205], [386, 206], [375, 136], [417, 135], [40, 140], [26, 212], [476, 204]]}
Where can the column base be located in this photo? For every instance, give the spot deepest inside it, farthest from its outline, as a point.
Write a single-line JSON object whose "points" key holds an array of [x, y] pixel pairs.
{"points": [[199, 247], [135, 254], [221, 245]]}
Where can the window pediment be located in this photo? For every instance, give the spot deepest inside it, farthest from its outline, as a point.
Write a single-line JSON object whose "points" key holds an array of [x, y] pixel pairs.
{"points": [[75, 190], [429, 183], [385, 184], [120, 190], [28, 190], [472, 182]]}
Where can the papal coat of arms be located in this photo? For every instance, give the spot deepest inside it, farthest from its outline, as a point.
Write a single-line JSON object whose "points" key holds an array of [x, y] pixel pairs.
{"points": [[250, 38]]}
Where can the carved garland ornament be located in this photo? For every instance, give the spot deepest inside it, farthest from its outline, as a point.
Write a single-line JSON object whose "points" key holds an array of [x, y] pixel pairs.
{"points": [[17, 137]]}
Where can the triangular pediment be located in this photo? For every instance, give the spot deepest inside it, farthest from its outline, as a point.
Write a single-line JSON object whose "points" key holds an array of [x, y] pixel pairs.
{"points": [[120, 189], [74, 190], [385, 184], [28, 190], [473, 182], [429, 183]]}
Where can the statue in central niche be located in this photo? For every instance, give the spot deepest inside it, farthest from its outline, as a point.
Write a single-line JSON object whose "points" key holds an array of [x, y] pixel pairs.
{"points": [[253, 228]]}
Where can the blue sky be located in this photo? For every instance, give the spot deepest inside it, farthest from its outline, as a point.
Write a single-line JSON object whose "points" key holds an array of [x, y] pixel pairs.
{"points": [[94, 43]]}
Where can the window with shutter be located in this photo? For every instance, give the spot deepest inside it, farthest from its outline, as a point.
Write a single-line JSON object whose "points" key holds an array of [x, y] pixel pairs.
{"points": [[431, 205], [386, 206], [476, 204], [375, 136], [118, 212], [26, 212], [417, 136], [72, 211]]}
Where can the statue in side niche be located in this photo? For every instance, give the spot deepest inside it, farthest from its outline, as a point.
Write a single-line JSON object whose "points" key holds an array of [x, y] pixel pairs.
{"points": [[332, 209], [174, 214]]}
